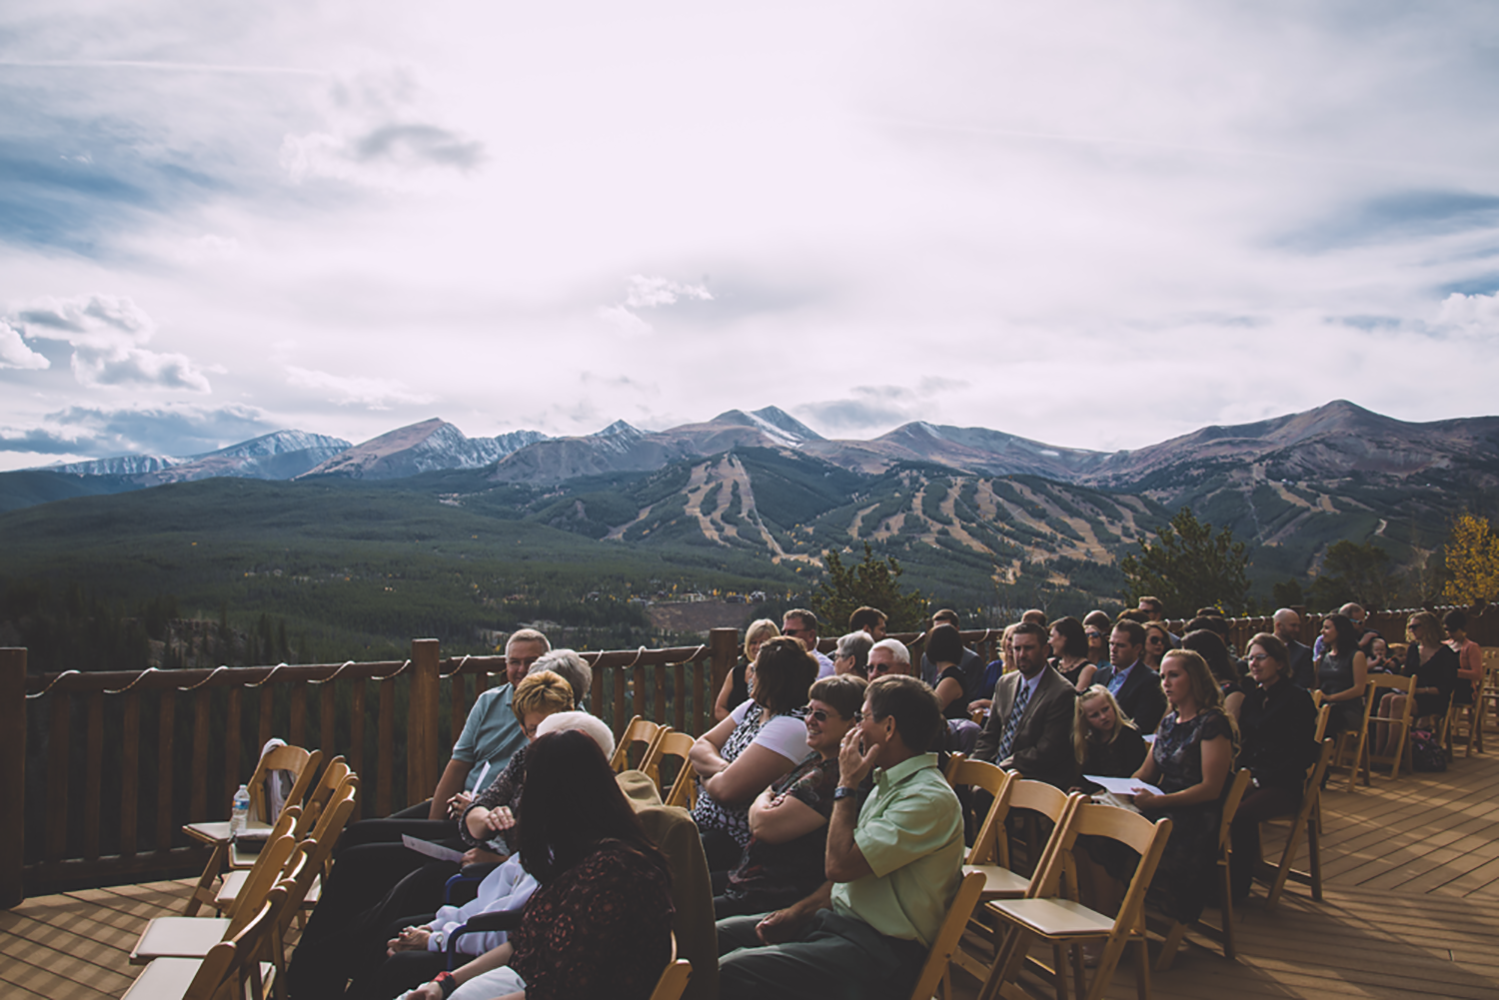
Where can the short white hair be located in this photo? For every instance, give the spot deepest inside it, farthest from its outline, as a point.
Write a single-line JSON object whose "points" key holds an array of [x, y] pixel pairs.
{"points": [[897, 649], [571, 667], [584, 723]]}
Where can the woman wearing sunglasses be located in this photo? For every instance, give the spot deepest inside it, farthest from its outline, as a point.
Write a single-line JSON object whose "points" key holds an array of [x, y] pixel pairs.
{"points": [[789, 820]]}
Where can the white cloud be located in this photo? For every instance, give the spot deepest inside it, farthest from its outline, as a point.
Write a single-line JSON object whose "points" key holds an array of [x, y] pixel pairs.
{"points": [[375, 393], [622, 318], [650, 292], [106, 333], [1471, 315], [14, 353]]}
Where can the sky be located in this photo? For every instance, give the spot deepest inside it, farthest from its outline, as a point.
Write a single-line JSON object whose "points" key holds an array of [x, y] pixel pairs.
{"points": [[1092, 224]]}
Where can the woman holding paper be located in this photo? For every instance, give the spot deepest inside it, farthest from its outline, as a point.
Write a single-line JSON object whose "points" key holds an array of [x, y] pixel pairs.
{"points": [[1190, 761], [1105, 741]]}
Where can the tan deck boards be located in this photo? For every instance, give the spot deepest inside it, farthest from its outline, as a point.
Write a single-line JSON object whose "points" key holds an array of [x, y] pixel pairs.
{"points": [[1411, 910]]}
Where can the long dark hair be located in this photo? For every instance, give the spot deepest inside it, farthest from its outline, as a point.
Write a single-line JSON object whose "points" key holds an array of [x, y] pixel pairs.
{"points": [[571, 803], [1212, 649], [1347, 636]]}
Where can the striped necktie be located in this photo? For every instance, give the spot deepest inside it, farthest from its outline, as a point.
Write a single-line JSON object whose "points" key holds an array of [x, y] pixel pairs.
{"points": [[1022, 698]]}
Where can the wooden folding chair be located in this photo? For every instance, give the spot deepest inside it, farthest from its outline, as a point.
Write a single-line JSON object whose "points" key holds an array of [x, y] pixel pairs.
{"points": [[1066, 923], [683, 790], [1000, 882], [194, 937], [639, 731], [673, 979], [936, 970], [1177, 932], [234, 961], [1305, 820], [317, 801], [1379, 686], [216, 834], [257, 880], [981, 857], [1356, 739]]}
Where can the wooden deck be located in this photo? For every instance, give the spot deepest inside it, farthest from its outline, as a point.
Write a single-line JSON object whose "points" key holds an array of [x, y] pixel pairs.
{"points": [[1411, 910]]}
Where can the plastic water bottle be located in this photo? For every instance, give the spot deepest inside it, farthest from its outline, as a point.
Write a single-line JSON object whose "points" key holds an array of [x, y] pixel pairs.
{"points": [[239, 816]]}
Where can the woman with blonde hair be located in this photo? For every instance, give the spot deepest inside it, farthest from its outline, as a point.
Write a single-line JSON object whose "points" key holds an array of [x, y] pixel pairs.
{"points": [[1190, 762], [736, 686], [1104, 740]]}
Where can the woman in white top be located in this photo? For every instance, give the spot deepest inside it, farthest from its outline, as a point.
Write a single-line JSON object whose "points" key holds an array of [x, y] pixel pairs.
{"points": [[760, 741]]}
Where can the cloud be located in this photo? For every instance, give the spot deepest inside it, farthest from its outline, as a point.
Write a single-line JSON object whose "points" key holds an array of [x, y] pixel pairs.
{"points": [[106, 333], [168, 430], [649, 292], [14, 353], [375, 393], [376, 135], [1398, 216], [1470, 315], [872, 406]]}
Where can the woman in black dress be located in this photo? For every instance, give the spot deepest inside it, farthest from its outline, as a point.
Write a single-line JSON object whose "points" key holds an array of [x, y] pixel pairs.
{"points": [[1434, 666], [1276, 724], [1342, 674], [736, 686], [1069, 647], [1213, 650], [1190, 762]]}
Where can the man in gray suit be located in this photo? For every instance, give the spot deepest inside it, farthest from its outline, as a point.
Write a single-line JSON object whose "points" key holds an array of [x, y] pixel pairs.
{"points": [[1030, 727]]}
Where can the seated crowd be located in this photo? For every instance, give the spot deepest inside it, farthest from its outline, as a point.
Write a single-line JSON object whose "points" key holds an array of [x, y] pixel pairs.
{"points": [[833, 844]]}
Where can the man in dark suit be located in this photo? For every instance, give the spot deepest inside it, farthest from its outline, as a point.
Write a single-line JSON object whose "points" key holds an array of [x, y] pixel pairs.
{"points": [[1135, 686], [1287, 630], [1030, 727]]}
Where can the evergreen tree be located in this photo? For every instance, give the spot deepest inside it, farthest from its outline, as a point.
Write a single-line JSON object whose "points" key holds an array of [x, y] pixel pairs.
{"points": [[874, 582], [1188, 567]]}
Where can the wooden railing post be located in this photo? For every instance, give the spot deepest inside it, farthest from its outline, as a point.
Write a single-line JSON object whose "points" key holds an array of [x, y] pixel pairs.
{"points": [[12, 776], [421, 720], [724, 646]]}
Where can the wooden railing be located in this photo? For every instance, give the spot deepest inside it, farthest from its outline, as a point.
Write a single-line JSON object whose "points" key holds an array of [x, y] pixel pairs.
{"points": [[110, 764]]}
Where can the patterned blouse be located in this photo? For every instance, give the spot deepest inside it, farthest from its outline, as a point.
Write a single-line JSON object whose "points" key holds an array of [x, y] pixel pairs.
{"points": [[600, 929], [502, 791], [709, 813], [789, 871]]}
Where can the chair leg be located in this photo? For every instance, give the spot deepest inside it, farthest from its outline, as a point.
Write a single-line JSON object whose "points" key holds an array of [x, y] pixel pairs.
{"points": [[1104, 974], [1142, 970], [1059, 966], [1227, 909], [1170, 945], [1315, 860], [203, 891]]}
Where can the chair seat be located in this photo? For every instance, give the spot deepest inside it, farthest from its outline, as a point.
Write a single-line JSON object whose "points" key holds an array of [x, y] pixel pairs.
{"points": [[217, 832], [229, 889], [178, 937], [1055, 918], [999, 882], [164, 979]]}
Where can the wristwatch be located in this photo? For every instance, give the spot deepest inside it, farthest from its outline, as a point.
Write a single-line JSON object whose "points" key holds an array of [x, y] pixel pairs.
{"points": [[844, 792]]}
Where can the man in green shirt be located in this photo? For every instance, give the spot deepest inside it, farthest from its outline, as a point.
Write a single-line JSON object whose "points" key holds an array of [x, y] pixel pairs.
{"points": [[893, 867]]}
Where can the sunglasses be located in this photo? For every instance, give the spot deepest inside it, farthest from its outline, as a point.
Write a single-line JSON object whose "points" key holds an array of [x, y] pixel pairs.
{"points": [[821, 716]]}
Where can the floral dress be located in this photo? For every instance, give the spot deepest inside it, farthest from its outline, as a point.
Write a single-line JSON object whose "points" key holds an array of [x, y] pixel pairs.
{"points": [[600, 929], [709, 813]]}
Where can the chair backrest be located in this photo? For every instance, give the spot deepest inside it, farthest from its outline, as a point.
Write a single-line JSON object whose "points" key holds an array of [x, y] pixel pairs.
{"points": [[641, 731], [674, 977], [998, 783], [301, 763], [1324, 715], [232, 958], [948, 935], [1393, 682], [318, 848], [318, 799], [1039, 797], [1237, 787], [683, 790], [1134, 831], [267, 867]]}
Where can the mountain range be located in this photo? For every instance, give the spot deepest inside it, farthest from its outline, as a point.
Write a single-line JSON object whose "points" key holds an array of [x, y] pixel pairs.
{"points": [[971, 509]]}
